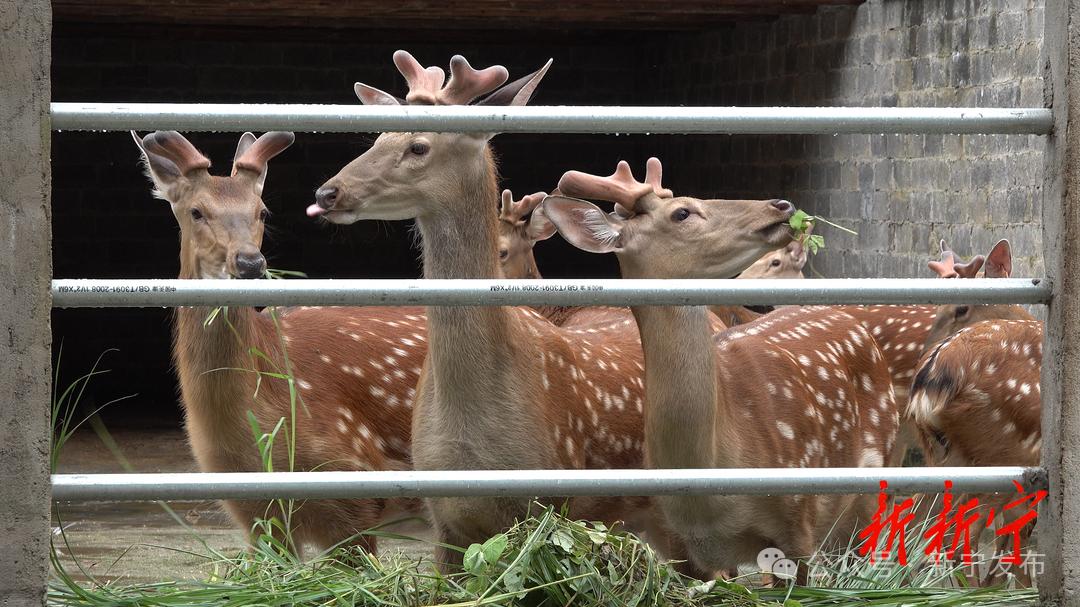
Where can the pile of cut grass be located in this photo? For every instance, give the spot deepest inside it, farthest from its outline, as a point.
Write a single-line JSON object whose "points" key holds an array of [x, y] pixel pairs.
{"points": [[546, 560]]}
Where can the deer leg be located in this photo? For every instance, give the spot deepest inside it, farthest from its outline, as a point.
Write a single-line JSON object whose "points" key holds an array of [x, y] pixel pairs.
{"points": [[448, 559]]}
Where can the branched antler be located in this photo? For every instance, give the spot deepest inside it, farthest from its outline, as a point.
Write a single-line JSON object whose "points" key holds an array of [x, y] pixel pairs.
{"points": [[514, 211], [620, 187], [466, 83]]}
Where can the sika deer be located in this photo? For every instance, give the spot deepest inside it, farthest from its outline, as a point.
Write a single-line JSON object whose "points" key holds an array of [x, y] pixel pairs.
{"points": [[502, 388], [976, 397], [801, 387], [354, 368]]}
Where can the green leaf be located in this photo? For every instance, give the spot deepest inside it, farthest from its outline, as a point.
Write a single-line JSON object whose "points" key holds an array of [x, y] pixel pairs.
{"points": [[799, 221], [493, 548], [792, 603], [563, 539], [474, 559]]}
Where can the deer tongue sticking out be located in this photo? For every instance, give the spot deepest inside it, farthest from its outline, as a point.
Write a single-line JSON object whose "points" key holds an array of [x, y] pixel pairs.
{"points": [[801, 388]]}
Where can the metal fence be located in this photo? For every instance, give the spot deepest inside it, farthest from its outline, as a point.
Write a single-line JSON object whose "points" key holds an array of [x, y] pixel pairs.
{"points": [[712, 120], [135, 293]]}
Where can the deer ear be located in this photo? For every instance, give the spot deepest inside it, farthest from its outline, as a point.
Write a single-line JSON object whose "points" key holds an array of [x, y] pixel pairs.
{"points": [[518, 92], [242, 146], [370, 95], [585, 225], [999, 261], [539, 226], [163, 173], [256, 156]]}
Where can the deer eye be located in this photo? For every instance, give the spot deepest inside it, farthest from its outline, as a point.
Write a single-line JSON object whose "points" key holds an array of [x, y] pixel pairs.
{"points": [[680, 214], [196, 214], [503, 253], [961, 311], [419, 148], [264, 215], [775, 263]]}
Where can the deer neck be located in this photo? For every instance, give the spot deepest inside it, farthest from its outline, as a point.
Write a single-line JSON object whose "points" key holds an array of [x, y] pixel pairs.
{"points": [[469, 346], [216, 396], [680, 386]]}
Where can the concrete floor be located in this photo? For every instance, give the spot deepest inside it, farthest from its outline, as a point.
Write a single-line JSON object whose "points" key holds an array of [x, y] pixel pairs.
{"points": [[140, 542]]}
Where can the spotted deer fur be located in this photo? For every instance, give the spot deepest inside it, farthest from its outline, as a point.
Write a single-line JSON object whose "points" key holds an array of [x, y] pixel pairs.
{"points": [[801, 387]]}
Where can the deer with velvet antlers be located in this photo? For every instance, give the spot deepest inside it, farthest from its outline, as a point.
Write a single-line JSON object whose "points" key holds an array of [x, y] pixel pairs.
{"points": [[801, 387], [353, 383], [501, 387]]}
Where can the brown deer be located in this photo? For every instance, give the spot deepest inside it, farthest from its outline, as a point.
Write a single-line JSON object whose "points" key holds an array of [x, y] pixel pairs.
{"points": [[801, 387], [787, 262], [354, 369], [502, 388], [976, 397]]}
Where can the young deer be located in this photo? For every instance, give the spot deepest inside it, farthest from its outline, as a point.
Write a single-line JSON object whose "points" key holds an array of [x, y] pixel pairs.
{"points": [[787, 262], [520, 228], [801, 387], [502, 388], [976, 397], [354, 369]]}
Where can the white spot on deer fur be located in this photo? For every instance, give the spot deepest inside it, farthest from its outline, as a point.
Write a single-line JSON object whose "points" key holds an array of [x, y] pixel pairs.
{"points": [[419, 337], [392, 401], [870, 458], [387, 379], [346, 413], [303, 384], [1025, 388], [398, 373], [324, 358], [785, 430], [804, 360], [415, 370], [823, 373], [377, 391], [376, 364], [342, 427], [569, 446]]}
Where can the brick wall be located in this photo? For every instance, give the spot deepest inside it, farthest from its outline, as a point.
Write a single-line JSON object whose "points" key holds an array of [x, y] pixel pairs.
{"points": [[901, 193]]}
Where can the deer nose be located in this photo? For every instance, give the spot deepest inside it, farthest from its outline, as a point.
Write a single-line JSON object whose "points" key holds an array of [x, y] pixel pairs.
{"points": [[783, 206], [326, 197], [250, 265]]}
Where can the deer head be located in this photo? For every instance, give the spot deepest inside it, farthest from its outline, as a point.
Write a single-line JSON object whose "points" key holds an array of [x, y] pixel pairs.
{"points": [[952, 318], [787, 262], [403, 174], [658, 235], [521, 225], [221, 218]]}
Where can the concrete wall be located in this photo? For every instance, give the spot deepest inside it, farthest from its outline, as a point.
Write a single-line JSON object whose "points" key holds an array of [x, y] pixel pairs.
{"points": [[25, 270], [901, 193]]}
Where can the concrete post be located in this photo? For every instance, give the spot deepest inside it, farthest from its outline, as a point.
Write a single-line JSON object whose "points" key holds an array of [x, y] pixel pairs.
{"points": [[1059, 521], [25, 304]]}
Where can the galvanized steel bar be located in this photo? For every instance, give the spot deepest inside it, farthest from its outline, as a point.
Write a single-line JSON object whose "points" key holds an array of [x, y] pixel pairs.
{"points": [[529, 483], [90, 293], [547, 119]]}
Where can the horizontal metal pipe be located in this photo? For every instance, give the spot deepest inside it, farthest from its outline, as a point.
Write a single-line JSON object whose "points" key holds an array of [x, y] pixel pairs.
{"points": [[91, 293], [75, 116], [529, 483]]}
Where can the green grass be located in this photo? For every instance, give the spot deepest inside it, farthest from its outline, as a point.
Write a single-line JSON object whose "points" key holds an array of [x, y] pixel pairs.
{"points": [[546, 560]]}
